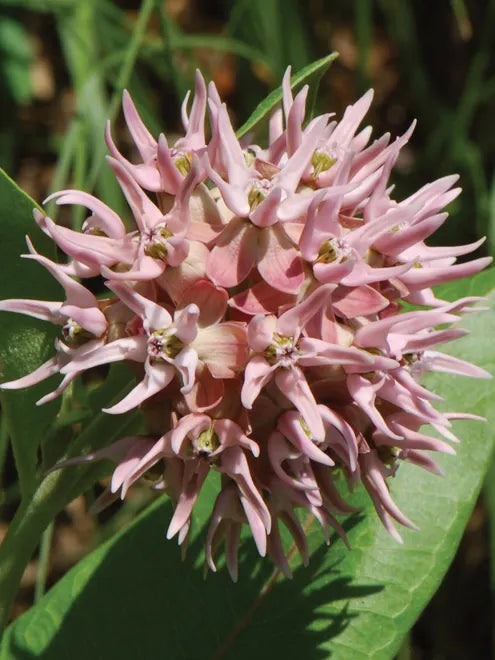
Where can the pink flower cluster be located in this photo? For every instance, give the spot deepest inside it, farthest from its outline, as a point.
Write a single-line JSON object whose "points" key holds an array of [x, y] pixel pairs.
{"points": [[258, 297]]}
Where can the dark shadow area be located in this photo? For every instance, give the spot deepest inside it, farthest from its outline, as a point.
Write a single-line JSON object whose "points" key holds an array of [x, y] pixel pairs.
{"points": [[458, 622], [142, 587]]}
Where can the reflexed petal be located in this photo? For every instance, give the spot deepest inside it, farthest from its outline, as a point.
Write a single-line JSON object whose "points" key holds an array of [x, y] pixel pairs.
{"points": [[186, 363], [156, 316], [261, 299], [38, 309], [234, 254], [295, 387], [128, 348], [257, 374], [359, 301], [210, 299], [280, 264], [103, 218], [156, 378], [260, 332], [223, 348]]}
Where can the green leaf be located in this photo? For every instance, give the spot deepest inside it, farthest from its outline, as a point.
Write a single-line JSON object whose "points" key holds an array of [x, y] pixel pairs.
{"points": [[24, 342], [310, 75], [356, 604]]}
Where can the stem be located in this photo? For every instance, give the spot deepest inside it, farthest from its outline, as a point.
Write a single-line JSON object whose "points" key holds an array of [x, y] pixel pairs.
{"points": [[29, 523], [44, 562], [4, 445], [35, 514], [21, 540]]}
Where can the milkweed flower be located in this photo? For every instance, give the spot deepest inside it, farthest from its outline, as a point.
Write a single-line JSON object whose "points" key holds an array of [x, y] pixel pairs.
{"points": [[259, 298]]}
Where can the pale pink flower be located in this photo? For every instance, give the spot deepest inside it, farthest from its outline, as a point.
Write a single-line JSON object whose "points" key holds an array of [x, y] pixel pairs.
{"points": [[163, 168], [259, 299], [282, 353]]}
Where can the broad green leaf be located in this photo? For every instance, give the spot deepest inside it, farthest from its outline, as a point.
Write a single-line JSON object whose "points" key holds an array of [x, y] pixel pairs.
{"points": [[310, 75], [355, 604], [24, 343]]}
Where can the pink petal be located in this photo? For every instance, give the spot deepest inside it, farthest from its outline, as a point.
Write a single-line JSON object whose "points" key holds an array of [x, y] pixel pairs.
{"points": [[257, 374], [38, 309], [156, 378], [334, 272], [260, 332], [144, 268], [234, 254], [210, 299], [427, 277], [231, 434], [223, 348], [189, 493], [261, 299], [46, 370], [176, 281], [265, 214], [440, 362], [170, 176], [156, 316], [195, 137], [359, 301], [92, 251], [289, 424], [294, 386], [294, 320], [364, 394], [280, 264], [128, 348], [190, 424], [316, 351], [146, 214], [206, 393], [186, 363], [103, 218], [143, 139], [186, 323], [295, 118], [93, 320], [376, 486]]}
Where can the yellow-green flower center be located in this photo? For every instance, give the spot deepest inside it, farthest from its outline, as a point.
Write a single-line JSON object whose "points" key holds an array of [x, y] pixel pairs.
{"points": [[163, 345], [155, 246], [282, 351], [75, 335], [321, 161], [207, 442]]}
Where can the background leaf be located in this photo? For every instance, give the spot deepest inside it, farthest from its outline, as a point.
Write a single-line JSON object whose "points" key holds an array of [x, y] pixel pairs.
{"points": [[355, 604], [24, 342], [15, 59]]}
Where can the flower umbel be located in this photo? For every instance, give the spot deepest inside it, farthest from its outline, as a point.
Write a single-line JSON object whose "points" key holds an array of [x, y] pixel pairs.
{"points": [[259, 299]]}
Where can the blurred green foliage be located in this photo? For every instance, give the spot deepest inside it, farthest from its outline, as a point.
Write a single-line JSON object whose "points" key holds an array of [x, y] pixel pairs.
{"points": [[432, 62]]}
